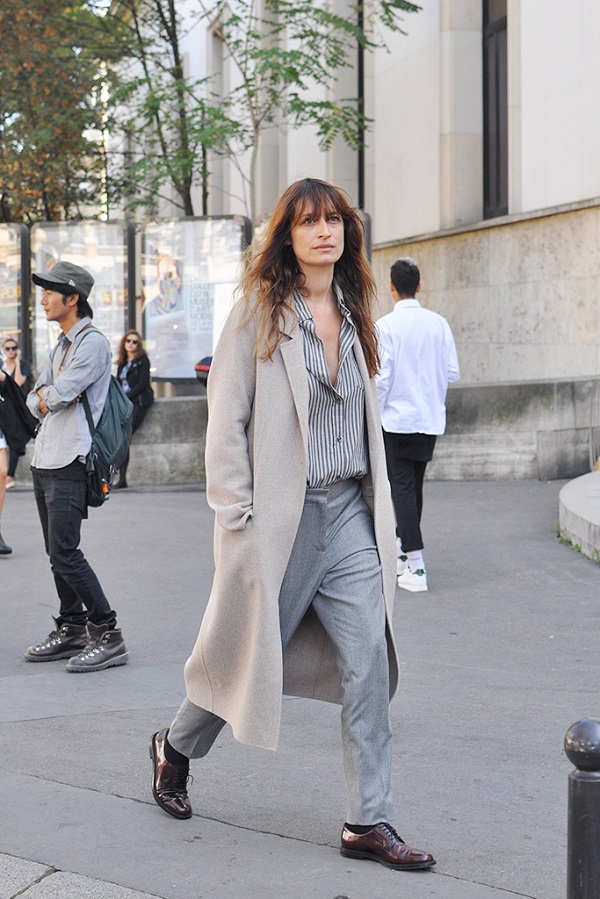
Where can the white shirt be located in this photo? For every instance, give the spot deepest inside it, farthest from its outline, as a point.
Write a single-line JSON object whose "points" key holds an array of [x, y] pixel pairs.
{"points": [[417, 362]]}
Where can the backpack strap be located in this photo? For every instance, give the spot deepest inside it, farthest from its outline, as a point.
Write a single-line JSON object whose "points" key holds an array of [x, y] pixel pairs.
{"points": [[84, 397], [88, 412]]}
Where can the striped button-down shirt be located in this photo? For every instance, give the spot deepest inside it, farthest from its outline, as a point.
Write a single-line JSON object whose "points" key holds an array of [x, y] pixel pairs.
{"points": [[337, 447]]}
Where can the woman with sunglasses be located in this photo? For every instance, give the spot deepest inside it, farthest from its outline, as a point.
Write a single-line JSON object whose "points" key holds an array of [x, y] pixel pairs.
{"points": [[19, 370], [133, 373]]}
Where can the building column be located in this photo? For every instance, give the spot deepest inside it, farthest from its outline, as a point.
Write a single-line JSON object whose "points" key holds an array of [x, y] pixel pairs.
{"points": [[461, 128]]}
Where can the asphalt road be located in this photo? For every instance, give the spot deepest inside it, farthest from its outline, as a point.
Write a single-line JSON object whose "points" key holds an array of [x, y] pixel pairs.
{"points": [[498, 659]]}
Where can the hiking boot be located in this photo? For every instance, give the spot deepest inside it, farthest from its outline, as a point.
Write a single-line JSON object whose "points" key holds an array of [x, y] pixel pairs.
{"points": [[5, 549], [106, 649], [66, 641]]}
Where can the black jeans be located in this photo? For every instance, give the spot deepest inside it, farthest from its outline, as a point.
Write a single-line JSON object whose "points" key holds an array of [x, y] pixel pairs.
{"points": [[61, 506]]}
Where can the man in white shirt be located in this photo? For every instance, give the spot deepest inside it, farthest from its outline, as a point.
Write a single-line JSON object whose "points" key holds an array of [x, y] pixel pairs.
{"points": [[417, 362]]}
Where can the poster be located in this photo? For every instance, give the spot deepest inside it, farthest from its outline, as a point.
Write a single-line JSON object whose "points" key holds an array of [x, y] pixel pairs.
{"points": [[14, 243], [190, 269], [103, 248]]}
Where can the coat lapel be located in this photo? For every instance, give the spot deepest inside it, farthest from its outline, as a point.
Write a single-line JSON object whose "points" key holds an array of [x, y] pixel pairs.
{"points": [[371, 409], [292, 353]]}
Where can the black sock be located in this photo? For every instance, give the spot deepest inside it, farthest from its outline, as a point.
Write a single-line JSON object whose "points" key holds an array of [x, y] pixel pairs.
{"points": [[175, 758], [357, 828]]}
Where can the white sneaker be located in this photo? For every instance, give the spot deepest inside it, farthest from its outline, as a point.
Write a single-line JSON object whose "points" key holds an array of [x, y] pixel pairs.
{"points": [[401, 564], [415, 581]]}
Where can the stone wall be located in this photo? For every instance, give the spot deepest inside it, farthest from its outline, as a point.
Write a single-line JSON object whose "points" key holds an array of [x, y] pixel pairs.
{"points": [[521, 293], [169, 446], [529, 430], [167, 449]]}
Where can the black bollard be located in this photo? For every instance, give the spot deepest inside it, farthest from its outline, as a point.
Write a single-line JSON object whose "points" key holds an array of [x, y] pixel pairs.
{"points": [[582, 746]]}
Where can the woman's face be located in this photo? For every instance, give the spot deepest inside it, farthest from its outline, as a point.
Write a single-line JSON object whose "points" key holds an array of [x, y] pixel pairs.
{"points": [[132, 343], [317, 238]]}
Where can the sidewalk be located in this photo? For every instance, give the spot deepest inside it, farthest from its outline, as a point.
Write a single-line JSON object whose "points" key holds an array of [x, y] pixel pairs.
{"points": [[498, 659]]}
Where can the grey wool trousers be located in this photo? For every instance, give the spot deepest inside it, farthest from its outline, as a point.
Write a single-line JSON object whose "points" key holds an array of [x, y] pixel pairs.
{"points": [[334, 566]]}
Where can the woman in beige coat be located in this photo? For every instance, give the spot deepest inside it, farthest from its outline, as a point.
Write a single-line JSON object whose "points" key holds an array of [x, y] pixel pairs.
{"points": [[305, 558]]}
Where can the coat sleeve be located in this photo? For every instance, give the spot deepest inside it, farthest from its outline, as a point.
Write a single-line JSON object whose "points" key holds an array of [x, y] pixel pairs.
{"points": [[143, 378], [230, 392]]}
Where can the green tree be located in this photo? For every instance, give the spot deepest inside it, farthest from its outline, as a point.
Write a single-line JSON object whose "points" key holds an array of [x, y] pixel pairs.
{"points": [[165, 120], [51, 161], [280, 52]]}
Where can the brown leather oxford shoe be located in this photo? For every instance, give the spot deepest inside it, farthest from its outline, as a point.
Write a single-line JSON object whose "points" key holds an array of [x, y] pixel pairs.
{"points": [[382, 844], [169, 782]]}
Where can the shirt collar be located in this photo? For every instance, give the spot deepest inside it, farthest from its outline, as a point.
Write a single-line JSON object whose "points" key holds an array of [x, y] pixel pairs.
{"points": [[77, 328], [412, 303], [303, 312]]}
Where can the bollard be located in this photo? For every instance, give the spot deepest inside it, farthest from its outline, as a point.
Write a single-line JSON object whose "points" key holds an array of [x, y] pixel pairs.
{"points": [[582, 746]]}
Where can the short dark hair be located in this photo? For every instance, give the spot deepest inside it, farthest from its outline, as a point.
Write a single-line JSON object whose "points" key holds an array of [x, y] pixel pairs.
{"points": [[405, 276], [83, 307]]}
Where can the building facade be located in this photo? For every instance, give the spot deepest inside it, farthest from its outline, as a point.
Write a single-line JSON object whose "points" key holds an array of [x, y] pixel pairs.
{"points": [[481, 162]]}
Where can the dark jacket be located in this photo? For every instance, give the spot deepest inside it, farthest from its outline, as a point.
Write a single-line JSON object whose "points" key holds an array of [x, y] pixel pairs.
{"points": [[138, 377], [25, 370], [16, 420]]}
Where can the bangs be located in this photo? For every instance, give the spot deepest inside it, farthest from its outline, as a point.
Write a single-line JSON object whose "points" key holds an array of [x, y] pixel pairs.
{"points": [[316, 199]]}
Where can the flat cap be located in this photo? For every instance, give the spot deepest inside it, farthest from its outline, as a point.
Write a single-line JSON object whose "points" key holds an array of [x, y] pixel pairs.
{"points": [[67, 278]]}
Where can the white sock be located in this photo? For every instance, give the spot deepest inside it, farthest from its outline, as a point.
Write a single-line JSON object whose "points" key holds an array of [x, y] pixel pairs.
{"points": [[415, 560], [399, 547]]}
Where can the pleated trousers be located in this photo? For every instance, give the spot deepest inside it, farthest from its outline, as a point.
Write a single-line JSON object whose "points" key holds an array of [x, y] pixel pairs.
{"points": [[334, 566]]}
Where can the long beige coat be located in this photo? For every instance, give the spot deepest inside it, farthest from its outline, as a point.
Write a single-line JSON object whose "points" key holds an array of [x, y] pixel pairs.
{"points": [[256, 461]]}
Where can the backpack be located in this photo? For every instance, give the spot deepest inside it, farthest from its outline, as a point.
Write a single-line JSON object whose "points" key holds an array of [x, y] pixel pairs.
{"points": [[110, 442]]}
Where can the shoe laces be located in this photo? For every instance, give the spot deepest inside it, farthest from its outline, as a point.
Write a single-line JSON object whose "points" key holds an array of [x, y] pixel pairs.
{"points": [[89, 653], [93, 650], [390, 830], [184, 778], [53, 637], [181, 777]]}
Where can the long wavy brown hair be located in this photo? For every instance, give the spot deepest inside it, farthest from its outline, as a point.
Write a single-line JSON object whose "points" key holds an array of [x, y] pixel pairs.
{"points": [[122, 352], [273, 273]]}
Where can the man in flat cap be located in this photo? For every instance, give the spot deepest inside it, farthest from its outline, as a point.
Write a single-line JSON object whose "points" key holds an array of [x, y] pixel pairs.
{"points": [[86, 630]]}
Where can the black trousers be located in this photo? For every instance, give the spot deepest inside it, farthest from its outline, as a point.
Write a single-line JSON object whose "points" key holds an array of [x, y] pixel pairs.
{"points": [[13, 461], [139, 413], [407, 456]]}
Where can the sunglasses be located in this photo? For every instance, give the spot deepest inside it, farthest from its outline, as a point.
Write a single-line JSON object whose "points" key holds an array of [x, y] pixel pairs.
{"points": [[15, 348], [132, 340]]}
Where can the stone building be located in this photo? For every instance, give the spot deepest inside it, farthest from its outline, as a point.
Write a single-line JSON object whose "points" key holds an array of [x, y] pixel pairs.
{"points": [[482, 163]]}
